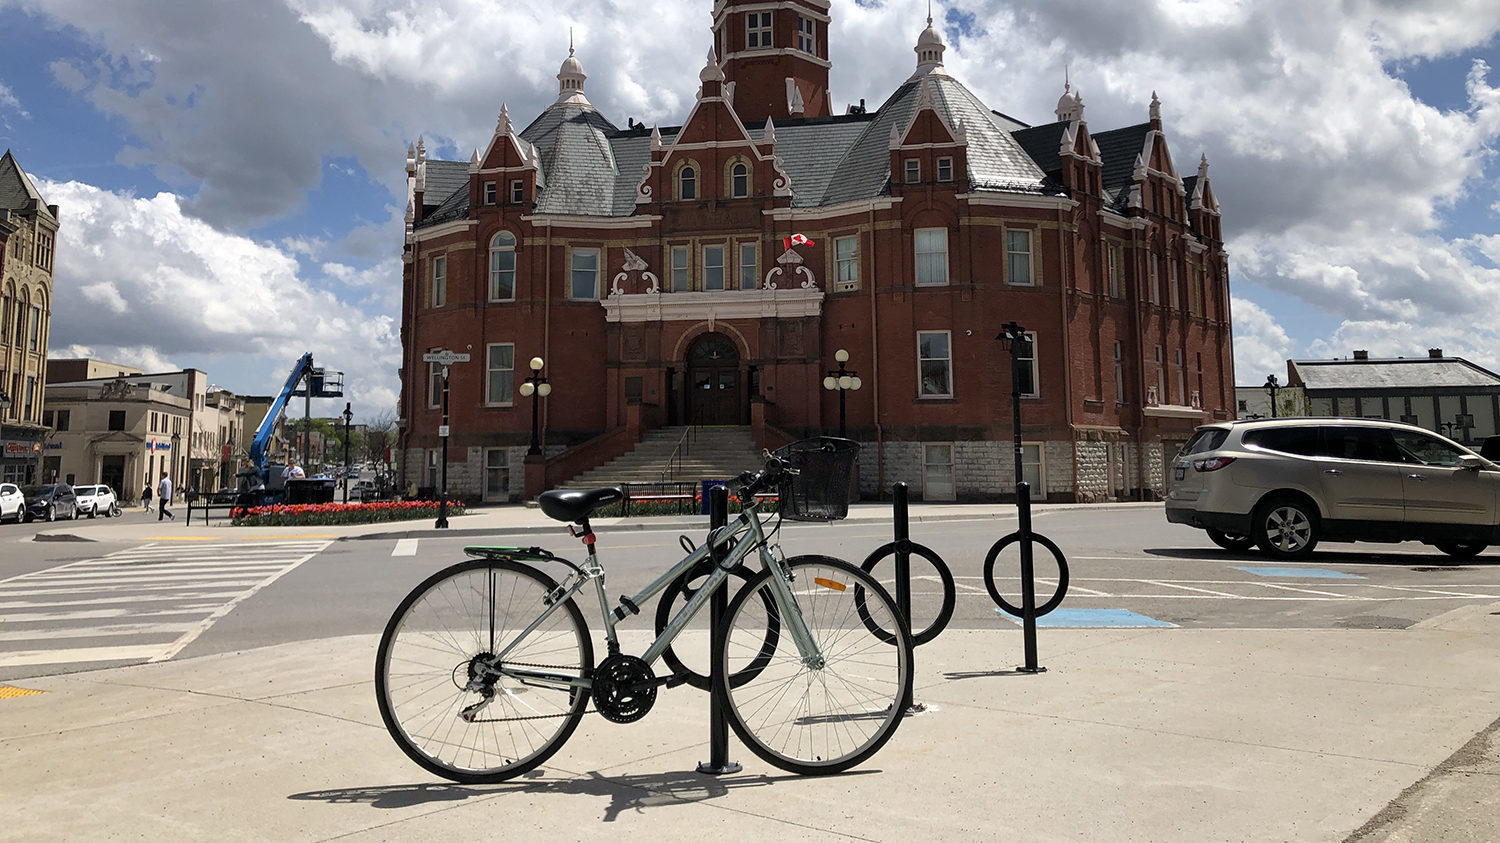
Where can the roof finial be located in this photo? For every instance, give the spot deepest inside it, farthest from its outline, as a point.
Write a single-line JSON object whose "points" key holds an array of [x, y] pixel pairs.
{"points": [[1067, 83], [929, 12], [570, 40]]}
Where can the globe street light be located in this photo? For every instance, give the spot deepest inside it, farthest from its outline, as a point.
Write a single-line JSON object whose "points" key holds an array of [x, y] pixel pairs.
{"points": [[843, 380], [536, 387]]}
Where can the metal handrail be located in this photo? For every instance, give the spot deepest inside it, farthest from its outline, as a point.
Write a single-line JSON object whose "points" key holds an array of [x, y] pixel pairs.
{"points": [[674, 461]]}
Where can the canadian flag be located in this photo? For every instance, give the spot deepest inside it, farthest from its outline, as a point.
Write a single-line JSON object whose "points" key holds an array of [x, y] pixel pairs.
{"points": [[797, 240]]}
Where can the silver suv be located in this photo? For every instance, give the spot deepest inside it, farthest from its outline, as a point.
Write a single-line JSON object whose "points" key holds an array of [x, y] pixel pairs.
{"points": [[1286, 484]]}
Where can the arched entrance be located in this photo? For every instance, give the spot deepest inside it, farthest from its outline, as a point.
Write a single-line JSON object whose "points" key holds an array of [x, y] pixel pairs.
{"points": [[713, 379]]}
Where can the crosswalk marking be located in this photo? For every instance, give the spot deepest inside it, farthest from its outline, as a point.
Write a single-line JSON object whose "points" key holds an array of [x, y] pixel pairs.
{"points": [[140, 604], [405, 547]]}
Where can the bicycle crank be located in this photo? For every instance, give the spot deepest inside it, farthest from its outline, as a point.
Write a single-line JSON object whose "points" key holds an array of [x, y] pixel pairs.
{"points": [[624, 688]]}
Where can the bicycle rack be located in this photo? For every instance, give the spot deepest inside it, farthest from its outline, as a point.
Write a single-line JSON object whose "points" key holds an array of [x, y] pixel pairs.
{"points": [[718, 762], [1028, 611]]}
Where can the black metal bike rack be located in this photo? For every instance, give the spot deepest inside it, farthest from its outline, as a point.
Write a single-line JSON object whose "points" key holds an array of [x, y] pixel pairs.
{"points": [[1028, 611], [718, 762]]}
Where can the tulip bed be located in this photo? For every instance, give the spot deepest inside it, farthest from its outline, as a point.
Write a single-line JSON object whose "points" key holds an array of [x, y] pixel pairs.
{"points": [[324, 514]]}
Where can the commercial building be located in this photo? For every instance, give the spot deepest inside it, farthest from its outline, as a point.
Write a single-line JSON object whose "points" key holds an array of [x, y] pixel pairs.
{"points": [[28, 240], [709, 274]]}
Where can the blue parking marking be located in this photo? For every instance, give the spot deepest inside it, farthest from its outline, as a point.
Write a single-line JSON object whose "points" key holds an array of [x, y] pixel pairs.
{"points": [[1096, 618], [1318, 573]]}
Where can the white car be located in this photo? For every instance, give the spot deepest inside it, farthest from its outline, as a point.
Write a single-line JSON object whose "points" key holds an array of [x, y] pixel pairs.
{"points": [[12, 502], [96, 500]]}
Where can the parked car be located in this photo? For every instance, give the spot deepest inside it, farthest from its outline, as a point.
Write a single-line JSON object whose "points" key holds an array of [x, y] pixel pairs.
{"points": [[51, 502], [96, 500], [12, 502], [1284, 485]]}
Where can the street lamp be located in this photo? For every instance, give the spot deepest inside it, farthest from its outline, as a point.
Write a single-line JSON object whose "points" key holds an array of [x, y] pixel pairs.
{"points": [[843, 380], [348, 420], [1014, 337], [536, 387], [1271, 387]]}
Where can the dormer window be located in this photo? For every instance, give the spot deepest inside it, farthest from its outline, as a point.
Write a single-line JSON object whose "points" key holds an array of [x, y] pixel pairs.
{"points": [[739, 181], [945, 169], [489, 193], [757, 30], [687, 184], [517, 192], [913, 171]]}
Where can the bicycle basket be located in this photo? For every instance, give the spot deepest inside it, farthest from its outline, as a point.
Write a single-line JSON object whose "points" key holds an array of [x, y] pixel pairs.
{"points": [[820, 489]]}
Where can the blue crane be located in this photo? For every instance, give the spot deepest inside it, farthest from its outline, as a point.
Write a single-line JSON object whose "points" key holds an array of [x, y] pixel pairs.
{"points": [[305, 380]]}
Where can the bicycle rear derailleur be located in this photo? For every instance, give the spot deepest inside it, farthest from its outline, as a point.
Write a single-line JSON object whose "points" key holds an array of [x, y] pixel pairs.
{"points": [[624, 688]]}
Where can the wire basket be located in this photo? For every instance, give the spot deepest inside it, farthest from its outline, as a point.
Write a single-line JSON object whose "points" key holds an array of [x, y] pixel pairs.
{"points": [[820, 489]]}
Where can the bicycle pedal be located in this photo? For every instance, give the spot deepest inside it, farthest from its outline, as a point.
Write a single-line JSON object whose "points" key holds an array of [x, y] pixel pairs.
{"points": [[677, 679]]}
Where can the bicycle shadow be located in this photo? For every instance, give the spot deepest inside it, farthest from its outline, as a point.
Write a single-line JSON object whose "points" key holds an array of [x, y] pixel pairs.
{"points": [[630, 793]]}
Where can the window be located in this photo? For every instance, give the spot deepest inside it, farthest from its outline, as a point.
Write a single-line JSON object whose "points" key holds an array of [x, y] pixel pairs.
{"points": [[846, 256], [1025, 362], [44, 250], [1119, 374], [501, 364], [679, 269], [1152, 294], [116, 419], [517, 192], [945, 169], [1018, 258], [489, 193], [36, 328], [1195, 291], [64, 419], [439, 280], [503, 267], [434, 385], [913, 171], [432, 467], [1161, 371], [713, 267], [687, 183], [934, 365], [749, 268], [29, 412], [1116, 271], [585, 274], [807, 40], [739, 181], [496, 474], [1031, 470], [757, 30], [1173, 295], [937, 473], [48, 419], [932, 255], [1181, 378]]}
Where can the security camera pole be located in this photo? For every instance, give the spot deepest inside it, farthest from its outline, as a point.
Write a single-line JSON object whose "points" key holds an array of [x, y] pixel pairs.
{"points": [[444, 358]]}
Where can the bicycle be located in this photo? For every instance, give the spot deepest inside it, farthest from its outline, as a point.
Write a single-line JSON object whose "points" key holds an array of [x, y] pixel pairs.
{"points": [[487, 667]]}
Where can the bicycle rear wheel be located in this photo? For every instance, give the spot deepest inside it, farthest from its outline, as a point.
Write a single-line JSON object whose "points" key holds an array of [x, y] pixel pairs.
{"points": [[436, 660], [816, 718]]}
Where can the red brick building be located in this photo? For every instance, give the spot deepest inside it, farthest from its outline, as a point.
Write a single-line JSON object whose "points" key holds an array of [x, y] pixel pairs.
{"points": [[650, 269]]}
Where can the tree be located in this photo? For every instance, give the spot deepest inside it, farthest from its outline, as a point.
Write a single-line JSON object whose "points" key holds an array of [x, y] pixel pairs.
{"points": [[380, 434]]}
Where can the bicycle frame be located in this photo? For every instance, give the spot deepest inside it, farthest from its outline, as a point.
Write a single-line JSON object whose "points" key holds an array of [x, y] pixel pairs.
{"points": [[747, 525]]}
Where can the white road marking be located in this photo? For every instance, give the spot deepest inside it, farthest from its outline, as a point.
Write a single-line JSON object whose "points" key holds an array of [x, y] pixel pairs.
{"points": [[405, 547]]}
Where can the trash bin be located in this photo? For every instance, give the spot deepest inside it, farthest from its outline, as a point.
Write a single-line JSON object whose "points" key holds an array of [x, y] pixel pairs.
{"points": [[703, 495]]}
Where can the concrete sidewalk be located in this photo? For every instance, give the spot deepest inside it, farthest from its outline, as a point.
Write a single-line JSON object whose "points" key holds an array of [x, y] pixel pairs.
{"points": [[1131, 734]]}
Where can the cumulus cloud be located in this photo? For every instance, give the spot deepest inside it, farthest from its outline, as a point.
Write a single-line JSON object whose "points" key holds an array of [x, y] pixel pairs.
{"points": [[1260, 344], [138, 281]]}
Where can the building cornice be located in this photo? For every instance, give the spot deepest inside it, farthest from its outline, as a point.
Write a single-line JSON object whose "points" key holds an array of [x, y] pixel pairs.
{"points": [[1019, 200], [761, 303], [578, 221], [442, 230]]}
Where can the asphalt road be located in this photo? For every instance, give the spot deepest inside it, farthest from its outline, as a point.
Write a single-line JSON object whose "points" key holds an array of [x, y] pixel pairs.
{"points": [[65, 605]]}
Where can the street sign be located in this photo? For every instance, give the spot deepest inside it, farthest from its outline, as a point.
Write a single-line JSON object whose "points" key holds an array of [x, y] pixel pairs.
{"points": [[443, 430], [445, 357]]}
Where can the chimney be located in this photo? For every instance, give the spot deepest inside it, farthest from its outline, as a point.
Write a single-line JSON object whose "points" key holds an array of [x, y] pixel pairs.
{"points": [[1361, 354], [1434, 353]]}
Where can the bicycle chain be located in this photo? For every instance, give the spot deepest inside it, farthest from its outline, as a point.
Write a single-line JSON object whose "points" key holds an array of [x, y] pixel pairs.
{"points": [[534, 716]]}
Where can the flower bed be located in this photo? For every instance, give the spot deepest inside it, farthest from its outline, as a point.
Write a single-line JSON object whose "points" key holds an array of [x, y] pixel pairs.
{"points": [[324, 514]]}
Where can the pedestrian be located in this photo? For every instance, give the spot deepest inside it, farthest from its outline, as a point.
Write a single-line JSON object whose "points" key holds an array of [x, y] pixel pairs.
{"points": [[251, 484], [292, 471], [146, 497], [164, 497]]}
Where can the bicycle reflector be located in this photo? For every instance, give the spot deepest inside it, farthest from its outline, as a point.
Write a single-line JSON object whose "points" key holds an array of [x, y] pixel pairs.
{"points": [[1211, 463], [830, 584]]}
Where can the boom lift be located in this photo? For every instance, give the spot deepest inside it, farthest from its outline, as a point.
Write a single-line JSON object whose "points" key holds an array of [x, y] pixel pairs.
{"points": [[309, 382]]}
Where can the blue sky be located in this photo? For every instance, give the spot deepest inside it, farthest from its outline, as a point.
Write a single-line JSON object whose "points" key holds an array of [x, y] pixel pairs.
{"points": [[231, 174]]}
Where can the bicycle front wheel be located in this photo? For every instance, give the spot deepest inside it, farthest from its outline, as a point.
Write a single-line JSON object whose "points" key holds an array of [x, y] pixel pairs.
{"points": [[823, 714], [436, 665]]}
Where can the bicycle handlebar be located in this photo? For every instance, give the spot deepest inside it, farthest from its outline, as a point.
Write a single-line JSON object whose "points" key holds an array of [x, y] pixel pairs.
{"points": [[752, 482]]}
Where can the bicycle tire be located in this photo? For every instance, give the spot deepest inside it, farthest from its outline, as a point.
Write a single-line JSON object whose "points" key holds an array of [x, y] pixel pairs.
{"points": [[667, 607], [1062, 575], [430, 645], [817, 719], [945, 577]]}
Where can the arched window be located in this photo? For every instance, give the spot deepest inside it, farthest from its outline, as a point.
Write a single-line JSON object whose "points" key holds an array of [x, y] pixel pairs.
{"points": [[503, 267], [687, 183], [739, 181]]}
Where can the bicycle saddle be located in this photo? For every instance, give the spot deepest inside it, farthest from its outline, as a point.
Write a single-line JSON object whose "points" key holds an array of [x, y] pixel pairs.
{"points": [[577, 505]]}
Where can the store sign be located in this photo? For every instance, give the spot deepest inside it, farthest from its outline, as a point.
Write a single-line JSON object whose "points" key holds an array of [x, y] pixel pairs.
{"points": [[154, 445], [17, 448]]}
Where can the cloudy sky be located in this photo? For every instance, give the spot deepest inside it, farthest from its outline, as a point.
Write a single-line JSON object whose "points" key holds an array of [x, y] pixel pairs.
{"points": [[232, 185]]}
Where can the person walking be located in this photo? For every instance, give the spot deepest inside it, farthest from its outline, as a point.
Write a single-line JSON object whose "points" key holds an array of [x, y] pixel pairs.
{"points": [[146, 496], [164, 497]]}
